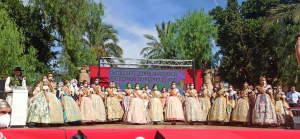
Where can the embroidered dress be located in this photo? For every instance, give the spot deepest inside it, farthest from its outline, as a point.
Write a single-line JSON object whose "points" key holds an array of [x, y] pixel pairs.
{"points": [[264, 112], [98, 104], [156, 109], [87, 107], [126, 100], [163, 97], [39, 110], [205, 103], [114, 109], [174, 111], [71, 110], [137, 111], [243, 109], [220, 112], [193, 109], [56, 111], [283, 108]]}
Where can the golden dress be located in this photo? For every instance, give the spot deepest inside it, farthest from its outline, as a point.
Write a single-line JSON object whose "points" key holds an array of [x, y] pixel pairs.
{"points": [[220, 112], [98, 104], [205, 103], [137, 112], [283, 108], [155, 113], [193, 109], [114, 109], [87, 106], [174, 111], [243, 109]]}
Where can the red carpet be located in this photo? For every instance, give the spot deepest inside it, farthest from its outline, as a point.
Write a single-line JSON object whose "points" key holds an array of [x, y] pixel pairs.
{"points": [[150, 133]]}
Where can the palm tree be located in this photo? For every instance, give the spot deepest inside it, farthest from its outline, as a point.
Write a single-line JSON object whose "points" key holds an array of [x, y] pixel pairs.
{"points": [[156, 48], [283, 12]]}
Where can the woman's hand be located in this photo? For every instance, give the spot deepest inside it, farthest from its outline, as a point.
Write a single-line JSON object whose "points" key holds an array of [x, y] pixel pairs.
{"points": [[47, 99], [62, 104]]}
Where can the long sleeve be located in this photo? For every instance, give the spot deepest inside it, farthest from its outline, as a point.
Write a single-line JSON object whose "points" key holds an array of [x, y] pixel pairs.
{"points": [[7, 88], [24, 84], [288, 97]]}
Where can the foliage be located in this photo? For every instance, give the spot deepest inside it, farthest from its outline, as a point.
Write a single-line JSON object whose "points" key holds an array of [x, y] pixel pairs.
{"points": [[285, 18], [192, 36], [248, 52], [189, 37], [12, 49], [156, 49]]}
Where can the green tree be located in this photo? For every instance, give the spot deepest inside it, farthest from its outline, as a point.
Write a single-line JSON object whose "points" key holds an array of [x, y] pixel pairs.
{"points": [[12, 49], [191, 36], [29, 20], [286, 19], [156, 49], [247, 52], [77, 27]]}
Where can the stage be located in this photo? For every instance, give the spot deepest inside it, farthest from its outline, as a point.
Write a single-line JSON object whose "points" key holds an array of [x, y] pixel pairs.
{"points": [[149, 131]]}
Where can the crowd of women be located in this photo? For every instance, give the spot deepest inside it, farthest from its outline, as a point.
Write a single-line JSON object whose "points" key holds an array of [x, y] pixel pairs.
{"points": [[95, 103]]}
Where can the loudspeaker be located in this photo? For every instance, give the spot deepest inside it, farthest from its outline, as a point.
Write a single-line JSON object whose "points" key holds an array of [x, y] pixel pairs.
{"points": [[2, 86]]}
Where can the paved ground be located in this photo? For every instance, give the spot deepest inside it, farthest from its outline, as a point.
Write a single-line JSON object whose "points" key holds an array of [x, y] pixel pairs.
{"points": [[164, 125]]}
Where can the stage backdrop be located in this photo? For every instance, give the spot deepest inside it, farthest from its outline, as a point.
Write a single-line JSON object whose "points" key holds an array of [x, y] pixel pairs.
{"points": [[163, 78], [188, 76]]}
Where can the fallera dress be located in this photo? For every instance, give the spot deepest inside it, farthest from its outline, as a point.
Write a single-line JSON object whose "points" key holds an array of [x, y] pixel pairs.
{"points": [[174, 111], [205, 103], [242, 112], [137, 112], [283, 108], [98, 104], [39, 109], [71, 110], [220, 112], [193, 109], [87, 106], [264, 112], [114, 109], [155, 113], [127, 98]]}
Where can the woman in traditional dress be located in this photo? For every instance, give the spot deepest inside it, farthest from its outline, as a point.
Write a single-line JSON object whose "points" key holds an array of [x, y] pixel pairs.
{"points": [[137, 112], [86, 104], [39, 110], [174, 111], [204, 100], [126, 100], [282, 105], [74, 90], [71, 110], [232, 95], [221, 109], [214, 95], [243, 109], [264, 112], [120, 96], [193, 109], [98, 102], [114, 109], [156, 109], [163, 97], [56, 110]]}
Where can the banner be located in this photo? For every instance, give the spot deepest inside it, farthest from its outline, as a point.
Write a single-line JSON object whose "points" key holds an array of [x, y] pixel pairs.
{"points": [[162, 78]]}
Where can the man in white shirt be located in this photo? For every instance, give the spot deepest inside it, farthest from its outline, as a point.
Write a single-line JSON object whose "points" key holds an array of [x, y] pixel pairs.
{"points": [[292, 97]]}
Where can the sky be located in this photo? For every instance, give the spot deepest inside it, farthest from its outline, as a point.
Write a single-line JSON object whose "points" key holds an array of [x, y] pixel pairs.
{"points": [[134, 18]]}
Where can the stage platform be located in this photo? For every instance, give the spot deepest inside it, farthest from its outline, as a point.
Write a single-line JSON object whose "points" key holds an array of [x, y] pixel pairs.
{"points": [[149, 131]]}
